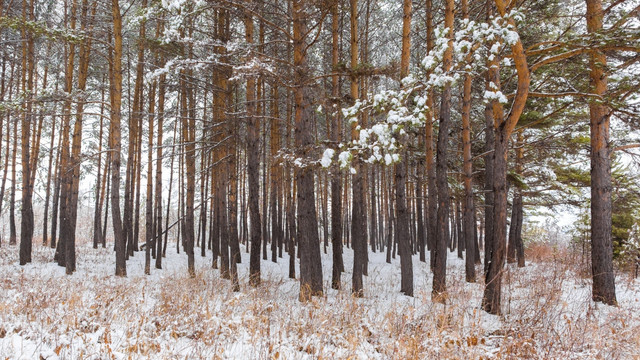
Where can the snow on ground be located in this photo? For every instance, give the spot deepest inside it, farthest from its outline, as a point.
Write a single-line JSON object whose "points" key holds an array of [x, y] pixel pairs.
{"points": [[92, 314]]}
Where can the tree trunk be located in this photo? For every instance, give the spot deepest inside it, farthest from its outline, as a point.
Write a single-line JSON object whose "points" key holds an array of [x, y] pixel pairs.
{"points": [[26, 209], [97, 215], [159, 144], [336, 183], [503, 129], [604, 289], [468, 218], [402, 229], [115, 140], [253, 165], [309, 243], [432, 191], [358, 217], [442, 235]]}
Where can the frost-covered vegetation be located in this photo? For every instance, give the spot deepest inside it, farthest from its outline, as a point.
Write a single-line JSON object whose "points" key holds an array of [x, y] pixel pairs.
{"points": [[94, 315]]}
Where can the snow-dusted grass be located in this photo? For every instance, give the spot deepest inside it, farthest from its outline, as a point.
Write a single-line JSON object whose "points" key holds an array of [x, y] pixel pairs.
{"points": [[95, 315]]}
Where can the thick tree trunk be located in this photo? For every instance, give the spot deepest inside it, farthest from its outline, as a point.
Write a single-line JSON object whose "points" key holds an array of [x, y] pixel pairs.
{"points": [[604, 289], [309, 242], [26, 208], [402, 215], [503, 129], [442, 235], [489, 176], [402, 231], [253, 168], [492, 294]]}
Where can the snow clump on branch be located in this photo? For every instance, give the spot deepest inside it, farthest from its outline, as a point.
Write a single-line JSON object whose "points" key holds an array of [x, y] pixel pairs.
{"points": [[397, 113]]}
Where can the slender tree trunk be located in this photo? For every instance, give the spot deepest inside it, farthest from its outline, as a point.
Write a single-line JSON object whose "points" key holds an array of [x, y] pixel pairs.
{"points": [[275, 195], [432, 191], [6, 164], [97, 217], [468, 219], [159, 145], [188, 140], [516, 207], [166, 224], [336, 183], [149, 192], [115, 140], [12, 197]]}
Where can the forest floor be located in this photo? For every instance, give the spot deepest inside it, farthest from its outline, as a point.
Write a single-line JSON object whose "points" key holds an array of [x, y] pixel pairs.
{"points": [[548, 313]]}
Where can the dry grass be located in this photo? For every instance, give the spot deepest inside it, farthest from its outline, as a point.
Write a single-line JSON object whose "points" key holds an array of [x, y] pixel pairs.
{"points": [[548, 314]]}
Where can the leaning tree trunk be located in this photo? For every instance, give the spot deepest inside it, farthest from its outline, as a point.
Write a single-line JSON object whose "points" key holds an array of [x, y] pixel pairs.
{"points": [[503, 129]]}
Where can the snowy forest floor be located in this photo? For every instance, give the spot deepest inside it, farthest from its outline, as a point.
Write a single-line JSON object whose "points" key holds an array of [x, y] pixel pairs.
{"points": [[548, 313]]}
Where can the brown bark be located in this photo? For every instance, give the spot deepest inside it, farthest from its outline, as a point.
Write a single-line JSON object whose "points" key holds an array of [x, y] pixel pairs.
{"points": [[432, 191], [503, 128], [309, 243], [149, 235], [515, 247], [601, 243], [26, 208], [358, 210], [468, 222], [12, 196], [442, 234], [159, 144], [115, 139], [253, 160], [336, 183], [188, 142], [276, 189], [97, 218], [64, 166], [402, 215]]}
